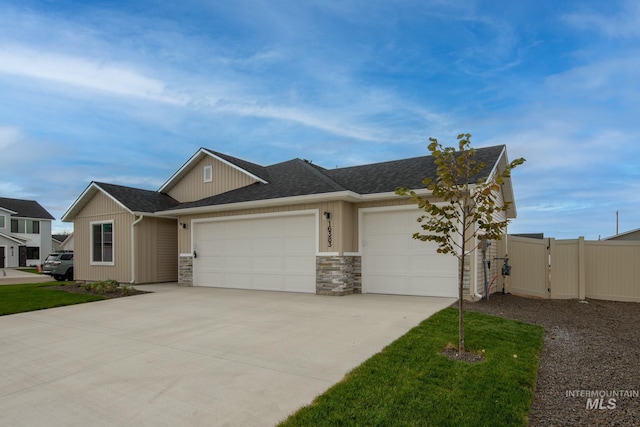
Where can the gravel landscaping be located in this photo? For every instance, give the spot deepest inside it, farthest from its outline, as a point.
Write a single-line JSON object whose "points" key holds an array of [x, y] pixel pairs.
{"points": [[591, 350]]}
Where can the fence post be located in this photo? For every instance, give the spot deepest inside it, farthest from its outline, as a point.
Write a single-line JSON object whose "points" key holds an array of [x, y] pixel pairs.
{"points": [[551, 262], [581, 269]]}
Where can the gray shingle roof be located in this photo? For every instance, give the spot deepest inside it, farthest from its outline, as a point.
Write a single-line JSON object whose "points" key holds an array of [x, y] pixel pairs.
{"points": [[298, 177], [25, 208], [387, 176], [137, 200], [257, 170]]}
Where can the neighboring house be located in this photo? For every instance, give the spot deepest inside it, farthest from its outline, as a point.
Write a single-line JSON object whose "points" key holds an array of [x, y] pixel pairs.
{"points": [[25, 233], [292, 226], [62, 242], [627, 235]]}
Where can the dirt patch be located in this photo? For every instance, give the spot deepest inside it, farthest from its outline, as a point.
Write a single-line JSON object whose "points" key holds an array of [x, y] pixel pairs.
{"points": [[591, 351], [76, 288], [452, 353]]}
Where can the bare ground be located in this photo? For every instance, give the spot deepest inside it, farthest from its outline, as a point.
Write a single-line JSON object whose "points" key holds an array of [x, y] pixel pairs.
{"points": [[591, 346]]}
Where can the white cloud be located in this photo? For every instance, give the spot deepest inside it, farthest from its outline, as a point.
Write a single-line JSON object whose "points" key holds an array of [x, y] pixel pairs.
{"points": [[96, 75]]}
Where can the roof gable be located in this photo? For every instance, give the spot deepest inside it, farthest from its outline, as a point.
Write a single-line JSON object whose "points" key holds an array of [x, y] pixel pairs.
{"points": [[252, 170], [25, 208], [133, 200]]}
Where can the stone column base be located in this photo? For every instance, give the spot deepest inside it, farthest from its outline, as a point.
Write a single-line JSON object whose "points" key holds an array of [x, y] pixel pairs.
{"points": [[338, 275], [185, 270]]}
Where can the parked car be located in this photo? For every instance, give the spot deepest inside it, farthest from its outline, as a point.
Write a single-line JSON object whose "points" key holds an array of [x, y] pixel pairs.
{"points": [[59, 265]]}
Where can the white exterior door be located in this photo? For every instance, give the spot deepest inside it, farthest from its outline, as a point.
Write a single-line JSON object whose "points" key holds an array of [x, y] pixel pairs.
{"points": [[395, 263], [266, 252]]}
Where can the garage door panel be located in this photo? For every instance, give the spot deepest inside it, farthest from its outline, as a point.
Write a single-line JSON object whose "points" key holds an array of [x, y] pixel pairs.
{"points": [[233, 230], [271, 253], [386, 243], [297, 226], [387, 284], [264, 264], [297, 244], [237, 246], [268, 245], [299, 264], [432, 264], [395, 263], [387, 264]]}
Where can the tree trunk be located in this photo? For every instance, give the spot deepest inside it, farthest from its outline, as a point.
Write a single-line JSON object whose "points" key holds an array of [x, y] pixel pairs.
{"points": [[460, 309], [461, 289]]}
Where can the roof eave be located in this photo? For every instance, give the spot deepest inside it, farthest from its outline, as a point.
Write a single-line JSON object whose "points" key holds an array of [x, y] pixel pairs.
{"points": [[347, 196], [253, 204]]}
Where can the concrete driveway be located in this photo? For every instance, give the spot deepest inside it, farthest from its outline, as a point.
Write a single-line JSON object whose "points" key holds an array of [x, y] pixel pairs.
{"points": [[190, 356]]}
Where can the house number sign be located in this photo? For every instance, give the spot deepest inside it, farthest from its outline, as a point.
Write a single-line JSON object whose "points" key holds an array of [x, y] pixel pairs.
{"points": [[329, 241]]}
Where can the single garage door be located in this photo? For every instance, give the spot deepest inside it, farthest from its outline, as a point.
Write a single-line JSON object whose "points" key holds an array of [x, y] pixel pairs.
{"points": [[394, 263], [274, 253]]}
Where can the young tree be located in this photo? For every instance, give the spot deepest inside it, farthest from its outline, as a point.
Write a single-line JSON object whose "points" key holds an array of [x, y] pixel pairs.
{"points": [[471, 211]]}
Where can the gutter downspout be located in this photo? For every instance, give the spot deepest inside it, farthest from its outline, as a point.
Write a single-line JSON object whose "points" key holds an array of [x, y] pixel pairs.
{"points": [[133, 249], [475, 262]]}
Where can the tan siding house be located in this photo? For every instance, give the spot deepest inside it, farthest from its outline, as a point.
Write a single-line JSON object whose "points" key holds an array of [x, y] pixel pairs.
{"points": [[293, 226]]}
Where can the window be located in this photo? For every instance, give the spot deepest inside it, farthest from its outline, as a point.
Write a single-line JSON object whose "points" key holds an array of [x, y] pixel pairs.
{"points": [[208, 173], [23, 226], [33, 252], [102, 243], [2, 221]]}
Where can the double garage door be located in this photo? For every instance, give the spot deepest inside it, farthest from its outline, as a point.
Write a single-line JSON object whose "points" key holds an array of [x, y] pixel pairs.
{"points": [[278, 253], [274, 253]]}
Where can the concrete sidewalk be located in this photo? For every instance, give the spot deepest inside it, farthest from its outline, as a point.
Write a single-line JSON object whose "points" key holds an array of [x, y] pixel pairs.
{"points": [[190, 356], [13, 276]]}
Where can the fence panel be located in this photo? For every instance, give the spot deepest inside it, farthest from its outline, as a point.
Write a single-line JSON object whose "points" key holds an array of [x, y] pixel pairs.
{"points": [[612, 270], [530, 272], [565, 272]]}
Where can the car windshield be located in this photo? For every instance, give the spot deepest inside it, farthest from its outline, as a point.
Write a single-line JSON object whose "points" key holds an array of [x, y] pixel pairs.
{"points": [[52, 257]]}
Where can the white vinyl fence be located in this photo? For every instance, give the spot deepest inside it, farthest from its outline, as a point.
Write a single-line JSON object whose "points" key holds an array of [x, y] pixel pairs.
{"points": [[575, 268]]}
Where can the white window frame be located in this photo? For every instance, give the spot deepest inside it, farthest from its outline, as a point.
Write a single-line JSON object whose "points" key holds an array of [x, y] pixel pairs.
{"points": [[3, 221], [207, 173], [113, 243]]}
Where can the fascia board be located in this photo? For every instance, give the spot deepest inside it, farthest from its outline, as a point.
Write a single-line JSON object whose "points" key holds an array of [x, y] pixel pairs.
{"points": [[9, 211], [347, 196], [309, 198], [13, 238], [507, 187], [189, 164]]}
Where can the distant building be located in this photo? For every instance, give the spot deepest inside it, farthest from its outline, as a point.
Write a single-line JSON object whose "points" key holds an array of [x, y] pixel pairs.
{"points": [[25, 233], [627, 235]]}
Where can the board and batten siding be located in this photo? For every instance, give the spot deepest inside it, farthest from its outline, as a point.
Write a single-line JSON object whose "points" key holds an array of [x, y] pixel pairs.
{"points": [[193, 187], [101, 209], [156, 241]]}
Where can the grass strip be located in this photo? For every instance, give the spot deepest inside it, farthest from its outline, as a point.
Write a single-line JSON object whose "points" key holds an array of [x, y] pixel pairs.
{"points": [[410, 383], [29, 297]]}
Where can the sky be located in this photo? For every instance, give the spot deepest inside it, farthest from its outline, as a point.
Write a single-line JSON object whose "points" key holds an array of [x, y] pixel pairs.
{"points": [[126, 92]]}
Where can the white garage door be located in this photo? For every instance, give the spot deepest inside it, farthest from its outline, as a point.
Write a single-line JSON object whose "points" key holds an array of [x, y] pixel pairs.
{"points": [[271, 253], [394, 263]]}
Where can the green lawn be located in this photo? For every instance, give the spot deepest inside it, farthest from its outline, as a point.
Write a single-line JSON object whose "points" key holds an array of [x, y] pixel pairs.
{"points": [[21, 298], [409, 383]]}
